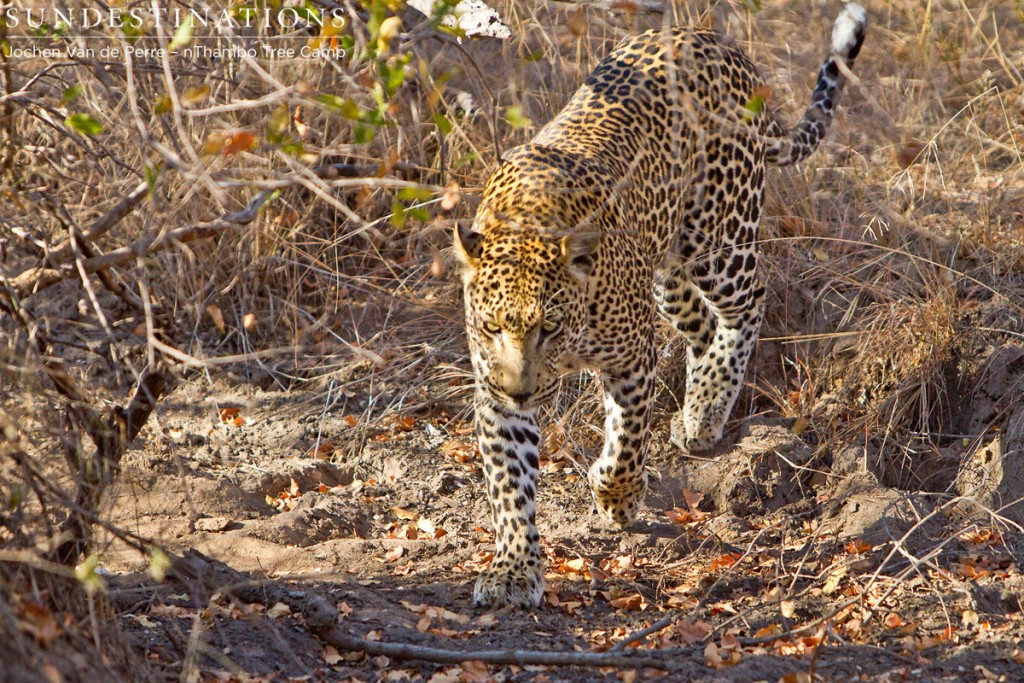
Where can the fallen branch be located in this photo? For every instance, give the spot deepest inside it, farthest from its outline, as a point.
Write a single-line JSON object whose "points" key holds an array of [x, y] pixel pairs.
{"points": [[322, 618], [104, 223], [644, 658]]}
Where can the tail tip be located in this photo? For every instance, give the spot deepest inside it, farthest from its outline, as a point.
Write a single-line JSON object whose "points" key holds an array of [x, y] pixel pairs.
{"points": [[848, 30]]}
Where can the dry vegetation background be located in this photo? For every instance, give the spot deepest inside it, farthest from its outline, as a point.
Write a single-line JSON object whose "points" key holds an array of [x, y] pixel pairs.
{"points": [[241, 261]]}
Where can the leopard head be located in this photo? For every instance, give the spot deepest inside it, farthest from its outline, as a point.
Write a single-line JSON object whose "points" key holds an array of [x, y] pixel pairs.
{"points": [[525, 294]]}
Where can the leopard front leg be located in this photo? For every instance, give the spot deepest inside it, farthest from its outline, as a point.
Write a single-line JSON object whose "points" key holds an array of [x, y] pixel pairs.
{"points": [[509, 442], [618, 479], [715, 370]]}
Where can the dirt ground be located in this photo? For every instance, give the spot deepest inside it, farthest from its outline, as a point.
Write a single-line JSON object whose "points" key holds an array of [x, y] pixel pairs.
{"points": [[391, 524]]}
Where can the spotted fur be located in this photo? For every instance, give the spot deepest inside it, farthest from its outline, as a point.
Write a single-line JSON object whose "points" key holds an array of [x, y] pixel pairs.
{"points": [[643, 195]]}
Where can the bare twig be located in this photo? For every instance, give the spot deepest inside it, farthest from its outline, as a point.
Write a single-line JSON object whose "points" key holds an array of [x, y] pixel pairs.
{"points": [[112, 435], [36, 279]]}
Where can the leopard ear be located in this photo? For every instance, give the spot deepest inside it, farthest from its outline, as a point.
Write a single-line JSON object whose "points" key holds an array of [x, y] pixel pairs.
{"points": [[578, 251], [468, 245]]}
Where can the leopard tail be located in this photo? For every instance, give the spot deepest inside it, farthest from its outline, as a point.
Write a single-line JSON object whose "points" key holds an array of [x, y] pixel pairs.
{"points": [[795, 144]]}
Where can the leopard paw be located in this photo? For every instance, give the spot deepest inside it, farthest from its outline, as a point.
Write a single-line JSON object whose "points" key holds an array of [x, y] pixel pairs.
{"points": [[518, 585], [617, 503], [688, 434]]}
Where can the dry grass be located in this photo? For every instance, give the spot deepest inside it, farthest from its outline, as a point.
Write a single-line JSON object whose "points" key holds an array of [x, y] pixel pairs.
{"points": [[895, 256]]}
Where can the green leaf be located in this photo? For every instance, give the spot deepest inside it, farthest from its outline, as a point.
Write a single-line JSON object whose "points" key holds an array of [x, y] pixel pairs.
{"points": [[84, 123], [535, 56], [133, 32], [516, 118], [442, 123], [70, 94], [330, 101], [415, 194], [398, 214], [293, 148], [753, 107], [85, 572], [363, 133], [163, 104], [309, 13], [183, 36], [153, 172], [466, 159], [277, 126], [159, 563], [347, 108], [419, 213]]}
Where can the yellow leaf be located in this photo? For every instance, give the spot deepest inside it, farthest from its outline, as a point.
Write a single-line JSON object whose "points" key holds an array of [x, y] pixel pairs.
{"points": [[799, 425], [832, 583], [389, 28], [194, 95]]}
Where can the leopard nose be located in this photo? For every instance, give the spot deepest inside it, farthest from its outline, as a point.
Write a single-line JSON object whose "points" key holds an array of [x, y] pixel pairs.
{"points": [[513, 384]]}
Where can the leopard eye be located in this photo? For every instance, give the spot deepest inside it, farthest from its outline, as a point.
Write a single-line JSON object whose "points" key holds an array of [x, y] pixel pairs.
{"points": [[549, 327], [491, 328]]}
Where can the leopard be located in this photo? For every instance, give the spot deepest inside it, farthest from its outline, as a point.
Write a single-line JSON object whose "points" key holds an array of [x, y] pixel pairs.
{"points": [[642, 197]]}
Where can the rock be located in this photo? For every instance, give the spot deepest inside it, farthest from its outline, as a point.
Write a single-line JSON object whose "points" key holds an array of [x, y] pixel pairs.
{"points": [[213, 524], [760, 474], [877, 514], [992, 479]]}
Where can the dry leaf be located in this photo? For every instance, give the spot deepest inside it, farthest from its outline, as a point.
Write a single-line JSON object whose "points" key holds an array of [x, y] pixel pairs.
{"points": [[679, 515], [239, 142], [858, 546], [402, 513], [228, 414], [832, 583], [331, 655], [787, 608], [799, 425], [451, 197], [279, 610], [634, 602], [394, 553], [767, 631], [213, 310], [692, 498], [249, 322], [191, 96], [38, 621], [436, 264], [692, 631], [724, 561], [892, 620], [909, 154], [578, 22]]}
